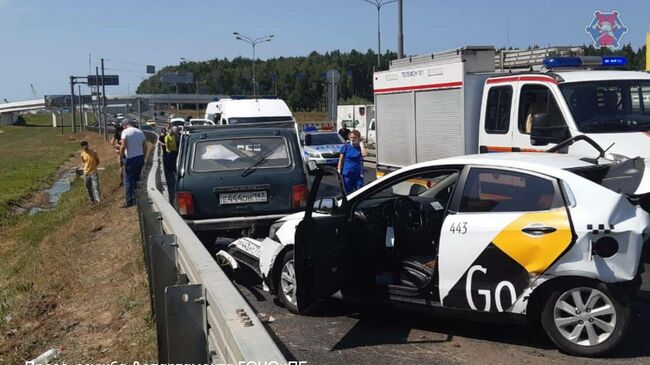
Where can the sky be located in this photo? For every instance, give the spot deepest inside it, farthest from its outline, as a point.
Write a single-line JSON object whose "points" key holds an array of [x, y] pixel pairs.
{"points": [[43, 42]]}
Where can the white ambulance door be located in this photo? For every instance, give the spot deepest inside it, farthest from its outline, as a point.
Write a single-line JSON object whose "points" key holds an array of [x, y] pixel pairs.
{"points": [[497, 116], [537, 97]]}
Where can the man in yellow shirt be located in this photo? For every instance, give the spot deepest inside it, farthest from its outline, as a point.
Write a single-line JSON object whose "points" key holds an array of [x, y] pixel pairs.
{"points": [[169, 163], [90, 159]]}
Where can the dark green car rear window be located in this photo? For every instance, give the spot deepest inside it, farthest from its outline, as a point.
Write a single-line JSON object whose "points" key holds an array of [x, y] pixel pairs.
{"points": [[240, 153]]}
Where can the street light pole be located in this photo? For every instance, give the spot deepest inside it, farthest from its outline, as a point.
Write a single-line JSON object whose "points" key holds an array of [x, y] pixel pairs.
{"points": [[253, 43], [378, 4]]}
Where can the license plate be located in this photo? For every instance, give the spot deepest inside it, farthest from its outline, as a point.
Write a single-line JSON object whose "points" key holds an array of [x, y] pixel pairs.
{"points": [[248, 247], [243, 197]]}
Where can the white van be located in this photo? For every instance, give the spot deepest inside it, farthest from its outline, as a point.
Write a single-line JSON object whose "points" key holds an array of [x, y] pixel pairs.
{"points": [[213, 110], [245, 110]]}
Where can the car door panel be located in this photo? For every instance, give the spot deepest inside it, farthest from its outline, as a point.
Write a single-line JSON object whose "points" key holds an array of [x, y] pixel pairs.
{"points": [[488, 259], [319, 258]]}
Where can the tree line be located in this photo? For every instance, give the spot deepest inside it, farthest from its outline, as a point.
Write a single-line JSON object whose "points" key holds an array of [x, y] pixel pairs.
{"points": [[301, 81]]}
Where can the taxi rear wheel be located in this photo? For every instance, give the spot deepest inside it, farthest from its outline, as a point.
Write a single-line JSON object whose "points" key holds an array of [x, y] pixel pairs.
{"points": [[586, 318]]}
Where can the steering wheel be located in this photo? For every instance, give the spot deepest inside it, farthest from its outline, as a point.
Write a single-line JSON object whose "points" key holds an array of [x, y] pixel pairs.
{"points": [[408, 214]]}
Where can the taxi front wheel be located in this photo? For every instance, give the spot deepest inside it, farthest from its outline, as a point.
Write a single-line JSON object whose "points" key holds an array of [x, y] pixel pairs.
{"points": [[586, 318], [286, 283]]}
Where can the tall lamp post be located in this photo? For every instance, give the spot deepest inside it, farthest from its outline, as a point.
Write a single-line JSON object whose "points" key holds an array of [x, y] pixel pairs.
{"points": [[378, 4], [253, 43]]}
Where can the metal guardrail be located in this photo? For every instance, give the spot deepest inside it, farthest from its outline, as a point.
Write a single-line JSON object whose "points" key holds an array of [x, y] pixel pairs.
{"points": [[200, 316]]}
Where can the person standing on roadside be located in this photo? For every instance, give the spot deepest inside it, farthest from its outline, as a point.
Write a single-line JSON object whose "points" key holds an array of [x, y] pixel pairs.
{"points": [[133, 148], [115, 142], [351, 162], [171, 145], [90, 160], [344, 132]]}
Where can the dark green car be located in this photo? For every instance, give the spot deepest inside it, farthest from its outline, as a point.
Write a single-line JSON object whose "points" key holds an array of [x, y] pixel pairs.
{"points": [[237, 180]]}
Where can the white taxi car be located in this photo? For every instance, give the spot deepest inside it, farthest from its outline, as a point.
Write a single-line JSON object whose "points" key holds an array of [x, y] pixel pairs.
{"points": [[532, 236]]}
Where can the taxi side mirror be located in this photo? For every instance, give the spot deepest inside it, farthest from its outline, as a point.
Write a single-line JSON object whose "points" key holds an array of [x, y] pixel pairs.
{"points": [[325, 205]]}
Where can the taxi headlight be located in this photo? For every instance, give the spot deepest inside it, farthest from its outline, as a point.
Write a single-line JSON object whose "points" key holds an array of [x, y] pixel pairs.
{"points": [[314, 154]]}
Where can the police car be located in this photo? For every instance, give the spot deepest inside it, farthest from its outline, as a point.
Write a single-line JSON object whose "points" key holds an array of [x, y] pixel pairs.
{"points": [[537, 237], [322, 147]]}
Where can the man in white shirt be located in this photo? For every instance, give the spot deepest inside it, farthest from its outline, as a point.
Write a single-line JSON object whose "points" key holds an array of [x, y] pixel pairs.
{"points": [[133, 148]]}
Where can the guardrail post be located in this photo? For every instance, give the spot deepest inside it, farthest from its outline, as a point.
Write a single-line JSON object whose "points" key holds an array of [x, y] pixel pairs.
{"points": [[185, 315], [151, 226], [163, 274]]}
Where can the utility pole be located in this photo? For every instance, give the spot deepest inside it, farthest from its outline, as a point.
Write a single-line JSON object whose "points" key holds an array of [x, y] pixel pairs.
{"points": [[98, 117], [81, 116], [139, 101], [253, 43], [197, 99], [104, 103], [400, 29], [378, 4], [72, 106]]}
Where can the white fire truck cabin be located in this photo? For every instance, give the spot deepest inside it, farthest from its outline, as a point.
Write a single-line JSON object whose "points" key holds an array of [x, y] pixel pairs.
{"points": [[454, 103]]}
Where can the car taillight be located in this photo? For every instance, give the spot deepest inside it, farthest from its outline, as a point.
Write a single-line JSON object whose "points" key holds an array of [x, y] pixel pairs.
{"points": [[185, 204], [299, 196]]}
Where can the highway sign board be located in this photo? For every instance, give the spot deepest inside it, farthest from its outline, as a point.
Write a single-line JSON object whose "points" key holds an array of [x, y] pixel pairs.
{"points": [[109, 80]]}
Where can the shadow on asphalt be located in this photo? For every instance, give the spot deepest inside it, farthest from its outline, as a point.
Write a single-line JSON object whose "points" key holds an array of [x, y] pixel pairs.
{"points": [[385, 325], [388, 325]]}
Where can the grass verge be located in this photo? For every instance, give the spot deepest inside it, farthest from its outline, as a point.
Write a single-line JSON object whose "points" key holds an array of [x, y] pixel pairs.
{"points": [[29, 156], [73, 277]]}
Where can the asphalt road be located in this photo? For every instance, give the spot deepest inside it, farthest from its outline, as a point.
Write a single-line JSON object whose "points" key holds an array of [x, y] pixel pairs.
{"points": [[345, 333]]}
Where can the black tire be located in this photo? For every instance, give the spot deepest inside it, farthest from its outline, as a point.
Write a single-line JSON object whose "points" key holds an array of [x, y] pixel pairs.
{"points": [[605, 341], [287, 259]]}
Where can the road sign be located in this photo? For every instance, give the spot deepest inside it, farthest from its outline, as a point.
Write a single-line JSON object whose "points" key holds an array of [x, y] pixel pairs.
{"points": [[109, 80], [177, 78], [151, 69]]}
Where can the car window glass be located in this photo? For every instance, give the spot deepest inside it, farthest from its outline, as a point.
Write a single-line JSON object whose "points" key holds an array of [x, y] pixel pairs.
{"points": [[497, 113], [240, 153], [492, 190], [317, 139], [536, 99], [415, 185], [571, 199]]}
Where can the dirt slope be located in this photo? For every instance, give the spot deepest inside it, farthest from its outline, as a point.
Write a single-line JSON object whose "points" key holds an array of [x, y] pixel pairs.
{"points": [[83, 287]]}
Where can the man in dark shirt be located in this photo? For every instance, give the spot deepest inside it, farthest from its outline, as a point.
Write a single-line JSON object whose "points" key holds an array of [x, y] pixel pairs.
{"points": [[115, 142], [344, 132]]}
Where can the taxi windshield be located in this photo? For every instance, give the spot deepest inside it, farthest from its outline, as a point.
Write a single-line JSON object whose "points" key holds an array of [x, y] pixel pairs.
{"points": [[610, 106]]}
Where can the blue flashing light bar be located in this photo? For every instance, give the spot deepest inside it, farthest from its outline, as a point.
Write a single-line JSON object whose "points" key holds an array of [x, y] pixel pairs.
{"points": [[614, 61], [576, 62], [559, 62]]}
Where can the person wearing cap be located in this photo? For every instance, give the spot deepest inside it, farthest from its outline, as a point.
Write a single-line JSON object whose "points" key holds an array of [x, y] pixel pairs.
{"points": [[90, 160], [133, 147]]}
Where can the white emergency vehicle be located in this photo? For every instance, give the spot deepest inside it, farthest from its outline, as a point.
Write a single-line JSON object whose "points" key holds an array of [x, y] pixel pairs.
{"points": [[242, 110], [455, 103], [536, 237], [359, 117]]}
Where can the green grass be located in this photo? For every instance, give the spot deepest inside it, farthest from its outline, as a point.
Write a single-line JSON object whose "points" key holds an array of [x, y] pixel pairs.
{"points": [[29, 156], [38, 273]]}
